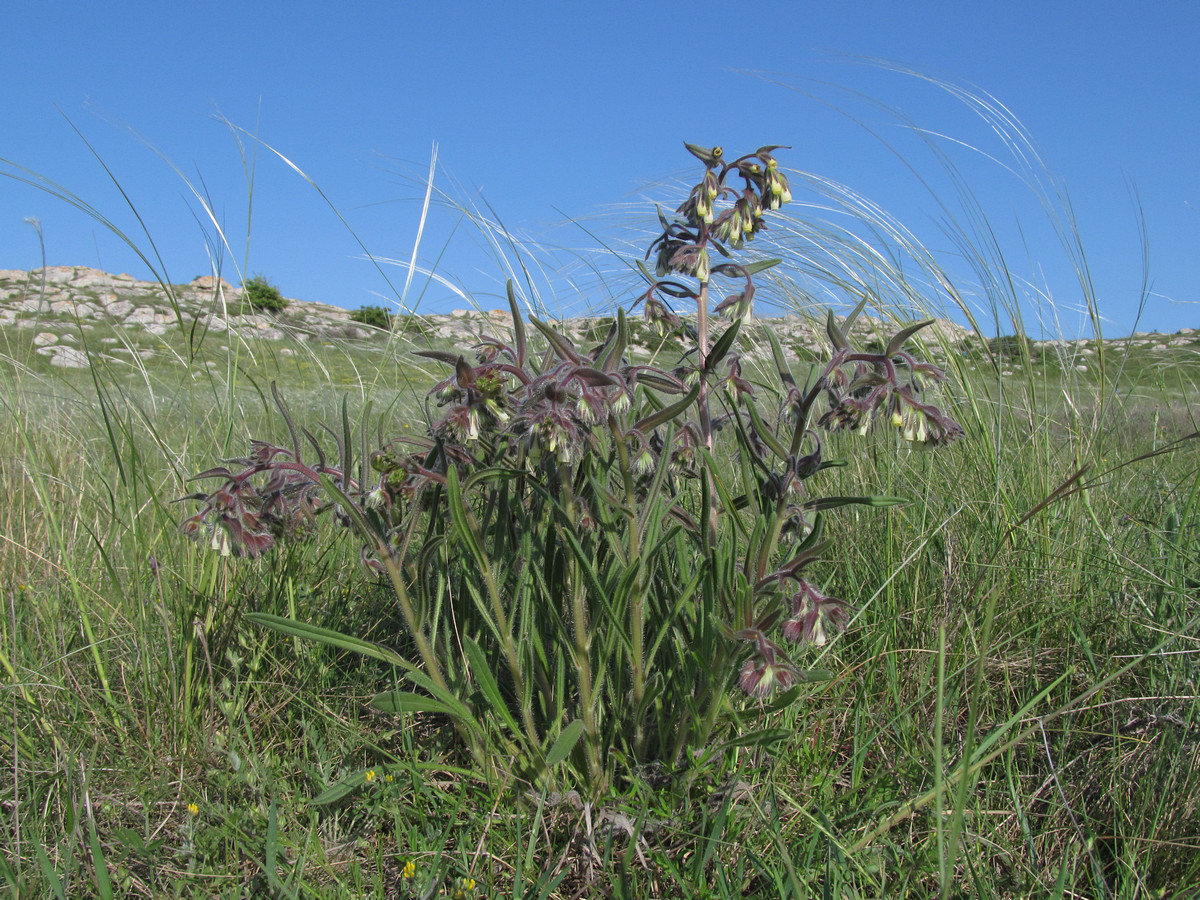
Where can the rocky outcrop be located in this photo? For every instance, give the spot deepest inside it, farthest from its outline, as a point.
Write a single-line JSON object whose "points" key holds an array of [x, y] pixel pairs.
{"points": [[56, 303]]}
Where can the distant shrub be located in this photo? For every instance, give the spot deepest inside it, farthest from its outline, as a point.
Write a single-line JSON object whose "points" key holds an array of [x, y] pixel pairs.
{"points": [[1013, 346], [261, 295], [374, 316]]}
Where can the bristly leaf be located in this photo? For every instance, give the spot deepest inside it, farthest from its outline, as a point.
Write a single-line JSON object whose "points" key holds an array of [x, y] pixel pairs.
{"points": [[897, 342], [519, 341], [785, 371], [877, 500], [667, 413], [283, 411], [760, 266], [614, 349], [326, 636], [765, 434], [836, 336], [565, 743], [444, 356], [722, 345], [563, 347], [854, 313]]}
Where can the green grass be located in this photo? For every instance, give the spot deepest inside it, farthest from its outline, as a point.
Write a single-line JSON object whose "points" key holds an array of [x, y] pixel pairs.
{"points": [[1053, 654], [1014, 710]]}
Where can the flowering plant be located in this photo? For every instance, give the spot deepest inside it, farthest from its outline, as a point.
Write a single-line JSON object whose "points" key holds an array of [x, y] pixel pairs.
{"points": [[590, 550]]}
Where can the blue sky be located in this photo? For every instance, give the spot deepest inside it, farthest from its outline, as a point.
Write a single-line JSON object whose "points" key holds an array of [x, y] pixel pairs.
{"points": [[549, 112]]}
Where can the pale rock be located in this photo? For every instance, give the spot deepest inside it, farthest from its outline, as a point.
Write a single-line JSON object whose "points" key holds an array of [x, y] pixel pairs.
{"points": [[44, 338], [69, 358], [143, 315], [211, 284]]}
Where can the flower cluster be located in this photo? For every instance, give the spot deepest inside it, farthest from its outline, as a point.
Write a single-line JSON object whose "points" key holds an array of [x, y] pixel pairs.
{"points": [[247, 513], [863, 387], [683, 247]]}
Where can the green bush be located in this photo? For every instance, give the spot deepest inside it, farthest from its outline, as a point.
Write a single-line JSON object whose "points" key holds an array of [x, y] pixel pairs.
{"points": [[262, 296], [374, 316]]}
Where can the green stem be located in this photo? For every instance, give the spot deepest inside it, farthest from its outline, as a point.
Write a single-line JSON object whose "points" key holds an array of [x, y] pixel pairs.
{"points": [[583, 648], [637, 604], [506, 639], [424, 648], [702, 406]]}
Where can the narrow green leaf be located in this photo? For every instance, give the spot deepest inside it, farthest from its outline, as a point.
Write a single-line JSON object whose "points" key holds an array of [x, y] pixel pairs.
{"points": [[722, 345], [563, 347], [765, 434], [761, 266], [897, 342], [271, 844], [48, 874], [565, 743], [326, 636], [347, 447], [104, 886], [785, 372], [351, 509], [667, 413], [464, 528], [836, 336], [614, 348], [407, 701], [456, 708], [854, 313], [482, 674], [518, 326], [876, 500], [340, 789]]}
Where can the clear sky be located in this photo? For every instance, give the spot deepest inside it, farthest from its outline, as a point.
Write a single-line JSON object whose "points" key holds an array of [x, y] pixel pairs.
{"points": [[549, 112]]}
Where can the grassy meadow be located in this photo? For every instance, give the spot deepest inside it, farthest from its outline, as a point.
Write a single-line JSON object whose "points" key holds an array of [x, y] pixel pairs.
{"points": [[1012, 710]]}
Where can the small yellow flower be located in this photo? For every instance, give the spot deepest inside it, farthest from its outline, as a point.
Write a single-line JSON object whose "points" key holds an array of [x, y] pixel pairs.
{"points": [[193, 809], [370, 776], [389, 777], [408, 871]]}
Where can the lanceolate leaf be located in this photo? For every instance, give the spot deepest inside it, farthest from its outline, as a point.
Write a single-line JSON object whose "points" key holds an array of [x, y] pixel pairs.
{"points": [[836, 336], [765, 434], [610, 358], [521, 346], [760, 266], [785, 372], [326, 636], [876, 500], [722, 345], [667, 413], [566, 743], [406, 701], [897, 342], [563, 347], [482, 674]]}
